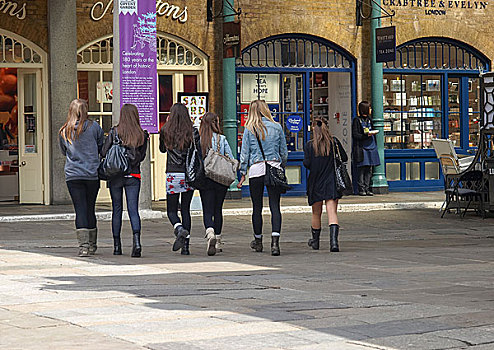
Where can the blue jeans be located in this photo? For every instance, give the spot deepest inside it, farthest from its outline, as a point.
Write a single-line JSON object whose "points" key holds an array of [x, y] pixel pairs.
{"points": [[132, 187]]}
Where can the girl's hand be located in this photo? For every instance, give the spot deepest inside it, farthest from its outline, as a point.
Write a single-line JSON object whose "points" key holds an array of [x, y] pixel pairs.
{"points": [[242, 179]]}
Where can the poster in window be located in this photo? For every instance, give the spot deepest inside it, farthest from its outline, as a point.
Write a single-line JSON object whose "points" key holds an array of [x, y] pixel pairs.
{"points": [[104, 92], [397, 85], [433, 85], [416, 86], [197, 103]]}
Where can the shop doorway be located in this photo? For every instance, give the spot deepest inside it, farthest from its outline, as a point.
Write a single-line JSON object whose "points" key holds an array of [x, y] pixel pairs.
{"points": [[21, 147]]}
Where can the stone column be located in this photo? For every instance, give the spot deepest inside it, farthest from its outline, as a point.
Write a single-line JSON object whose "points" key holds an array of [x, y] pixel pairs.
{"points": [[145, 198], [62, 41]]}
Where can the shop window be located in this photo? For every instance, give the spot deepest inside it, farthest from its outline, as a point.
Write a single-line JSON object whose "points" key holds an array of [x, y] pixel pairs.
{"points": [[454, 112], [473, 112], [431, 170], [165, 97], [412, 110], [393, 171], [96, 88], [190, 83], [294, 175], [412, 171], [13, 51]]}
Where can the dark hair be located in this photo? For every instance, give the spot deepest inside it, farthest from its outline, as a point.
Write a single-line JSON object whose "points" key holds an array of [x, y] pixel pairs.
{"points": [[129, 128], [177, 132], [210, 123], [364, 109]]}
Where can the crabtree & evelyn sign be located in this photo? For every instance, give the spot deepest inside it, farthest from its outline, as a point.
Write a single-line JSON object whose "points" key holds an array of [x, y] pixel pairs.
{"points": [[437, 7], [163, 9]]}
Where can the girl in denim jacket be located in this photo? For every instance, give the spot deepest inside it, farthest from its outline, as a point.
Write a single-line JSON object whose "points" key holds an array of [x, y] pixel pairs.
{"points": [[260, 125]]}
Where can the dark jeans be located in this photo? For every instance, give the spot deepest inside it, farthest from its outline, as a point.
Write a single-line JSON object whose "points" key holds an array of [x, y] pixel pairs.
{"points": [[83, 194], [172, 208], [212, 206], [364, 178], [132, 187], [256, 186]]}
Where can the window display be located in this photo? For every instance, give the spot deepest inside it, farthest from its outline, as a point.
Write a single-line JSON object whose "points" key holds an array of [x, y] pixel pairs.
{"points": [[412, 111]]}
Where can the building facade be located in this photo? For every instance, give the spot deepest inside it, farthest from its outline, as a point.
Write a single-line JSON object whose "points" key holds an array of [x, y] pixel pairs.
{"points": [[305, 59]]}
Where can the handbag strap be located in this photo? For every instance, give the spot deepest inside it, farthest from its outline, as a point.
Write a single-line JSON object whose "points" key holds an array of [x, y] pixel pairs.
{"points": [[218, 139], [260, 146]]}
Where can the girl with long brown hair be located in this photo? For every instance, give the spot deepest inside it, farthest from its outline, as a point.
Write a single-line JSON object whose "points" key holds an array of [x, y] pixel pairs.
{"points": [[319, 154], [213, 194], [175, 138], [128, 131], [263, 142], [81, 141]]}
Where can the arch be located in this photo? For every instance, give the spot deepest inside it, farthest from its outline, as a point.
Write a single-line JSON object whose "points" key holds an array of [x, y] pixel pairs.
{"points": [[295, 50], [172, 51], [18, 51], [438, 53]]}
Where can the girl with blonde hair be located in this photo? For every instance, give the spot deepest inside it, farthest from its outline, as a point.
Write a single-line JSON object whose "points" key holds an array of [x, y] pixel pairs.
{"points": [[263, 142], [319, 159], [81, 141]]}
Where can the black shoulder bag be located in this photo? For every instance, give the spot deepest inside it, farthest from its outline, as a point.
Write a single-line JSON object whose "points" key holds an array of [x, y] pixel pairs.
{"points": [[194, 165], [343, 182], [115, 162], [274, 177]]}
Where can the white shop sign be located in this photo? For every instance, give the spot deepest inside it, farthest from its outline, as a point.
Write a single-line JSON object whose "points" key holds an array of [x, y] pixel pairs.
{"points": [[260, 86]]}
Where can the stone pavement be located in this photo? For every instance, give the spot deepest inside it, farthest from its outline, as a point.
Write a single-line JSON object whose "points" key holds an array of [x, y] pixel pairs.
{"points": [[405, 279]]}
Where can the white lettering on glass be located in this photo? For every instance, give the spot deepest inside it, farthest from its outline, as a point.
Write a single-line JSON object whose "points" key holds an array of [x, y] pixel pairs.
{"points": [[163, 8]]}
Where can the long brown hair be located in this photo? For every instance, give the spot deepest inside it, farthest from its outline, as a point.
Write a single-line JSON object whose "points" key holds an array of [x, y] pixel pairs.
{"points": [[210, 124], [254, 124], [322, 140], [129, 128], [77, 114], [178, 129]]}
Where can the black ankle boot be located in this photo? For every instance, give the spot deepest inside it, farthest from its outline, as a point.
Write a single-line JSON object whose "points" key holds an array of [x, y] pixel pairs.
{"points": [[181, 235], [275, 245], [136, 245], [314, 241], [256, 244], [333, 238], [185, 249], [117, 246]]}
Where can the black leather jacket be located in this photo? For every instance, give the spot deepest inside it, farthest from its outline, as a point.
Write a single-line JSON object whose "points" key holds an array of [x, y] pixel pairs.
{"points": [[135, 155], [175, 161]]}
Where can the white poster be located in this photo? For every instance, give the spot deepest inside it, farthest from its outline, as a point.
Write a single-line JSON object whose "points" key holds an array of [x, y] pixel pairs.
{"points": [[104, 92], [260, 86]]}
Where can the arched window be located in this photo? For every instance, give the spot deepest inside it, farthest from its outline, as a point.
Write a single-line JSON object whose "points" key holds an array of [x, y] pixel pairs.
{"points": [[294, 51], [438, 53], [14, 50]]}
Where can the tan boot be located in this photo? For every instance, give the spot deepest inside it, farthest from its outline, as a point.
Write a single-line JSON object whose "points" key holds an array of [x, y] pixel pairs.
{"points": [[83, 238], [211, 241], [219, 244], [93, 238]]}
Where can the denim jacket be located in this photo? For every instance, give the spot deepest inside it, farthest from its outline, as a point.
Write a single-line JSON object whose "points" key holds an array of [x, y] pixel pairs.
{"points": [[224, 146], [274, 146]]}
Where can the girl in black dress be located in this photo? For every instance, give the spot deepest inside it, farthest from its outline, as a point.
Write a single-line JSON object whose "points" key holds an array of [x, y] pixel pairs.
{"points": [[319, 156]]}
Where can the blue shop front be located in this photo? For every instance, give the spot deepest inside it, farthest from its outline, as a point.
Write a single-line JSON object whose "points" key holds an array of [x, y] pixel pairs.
{"points": [[300, 77], [432, 90]]}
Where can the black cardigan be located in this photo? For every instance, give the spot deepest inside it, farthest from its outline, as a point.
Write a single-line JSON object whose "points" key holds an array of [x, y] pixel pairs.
{"points": [[358, 136]]}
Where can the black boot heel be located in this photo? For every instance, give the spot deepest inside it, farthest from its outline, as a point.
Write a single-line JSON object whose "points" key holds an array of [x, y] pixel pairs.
{"points": [[275, 245], [136, 245], [333, 238], [117, 246], [314, 241]]}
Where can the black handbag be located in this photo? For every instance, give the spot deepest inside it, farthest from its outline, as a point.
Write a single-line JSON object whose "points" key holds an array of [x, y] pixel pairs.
{"points": [[275, 177], [115, 162], [194, 165], [343, 182]]}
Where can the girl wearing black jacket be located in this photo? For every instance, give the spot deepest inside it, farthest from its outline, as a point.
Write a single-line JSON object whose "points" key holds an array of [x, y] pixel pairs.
{"points": [[319, 156], [135, 140], [364, 148], [176, 137]]}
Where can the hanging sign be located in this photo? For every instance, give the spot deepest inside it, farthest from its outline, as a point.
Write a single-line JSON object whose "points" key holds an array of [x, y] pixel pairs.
{"points": [[294, 123], [260, 87], [138, 78], [197, 103], [386, 44], [231, 40]]}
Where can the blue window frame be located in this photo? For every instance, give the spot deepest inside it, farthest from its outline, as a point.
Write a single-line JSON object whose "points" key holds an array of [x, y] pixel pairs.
{"points": [[446, 73], [295, 59]]}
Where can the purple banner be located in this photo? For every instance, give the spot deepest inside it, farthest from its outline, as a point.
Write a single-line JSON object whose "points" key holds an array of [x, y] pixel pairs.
{"points": [[138, 74]]}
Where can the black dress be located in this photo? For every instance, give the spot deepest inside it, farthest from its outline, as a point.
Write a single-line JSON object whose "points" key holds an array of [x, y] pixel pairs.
{"points": [[321, 184]]}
